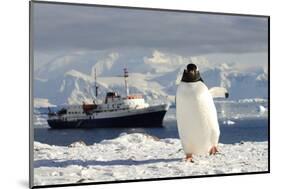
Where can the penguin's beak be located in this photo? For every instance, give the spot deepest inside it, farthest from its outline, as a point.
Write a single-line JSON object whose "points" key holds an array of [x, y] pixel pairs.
{"points": [[192, 72], [226, 95]]}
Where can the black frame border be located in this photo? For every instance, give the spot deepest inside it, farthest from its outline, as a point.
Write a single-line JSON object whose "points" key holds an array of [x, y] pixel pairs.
{"points": [[31, 138]]}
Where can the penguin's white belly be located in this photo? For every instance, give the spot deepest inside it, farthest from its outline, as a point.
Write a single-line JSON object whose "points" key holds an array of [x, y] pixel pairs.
{"points": [[196, 118]]}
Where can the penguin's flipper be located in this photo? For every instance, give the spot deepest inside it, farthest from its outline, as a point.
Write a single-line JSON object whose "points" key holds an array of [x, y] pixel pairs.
{"points": [[219, 92]]}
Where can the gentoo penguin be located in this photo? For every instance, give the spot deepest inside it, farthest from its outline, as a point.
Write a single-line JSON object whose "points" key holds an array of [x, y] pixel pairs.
{"points": [[196, 114]]}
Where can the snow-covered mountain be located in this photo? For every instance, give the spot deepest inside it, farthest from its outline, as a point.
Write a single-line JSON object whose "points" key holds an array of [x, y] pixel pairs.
{"points": [[69, 79]]}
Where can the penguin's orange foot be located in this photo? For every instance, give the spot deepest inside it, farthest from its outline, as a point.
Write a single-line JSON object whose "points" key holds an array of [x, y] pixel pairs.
{"points": [[213, 150], [188, 158]]}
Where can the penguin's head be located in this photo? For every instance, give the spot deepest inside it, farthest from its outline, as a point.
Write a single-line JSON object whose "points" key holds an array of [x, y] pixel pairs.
{"points": [[192, 69], [191, 74]]}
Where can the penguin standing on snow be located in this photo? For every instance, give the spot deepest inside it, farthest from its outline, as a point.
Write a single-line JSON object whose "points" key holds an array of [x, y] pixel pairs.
{"points": [[196, 114]]}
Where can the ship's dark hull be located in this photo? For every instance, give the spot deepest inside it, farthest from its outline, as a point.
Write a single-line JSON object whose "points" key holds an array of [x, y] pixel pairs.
{"points": [[151, 119]]}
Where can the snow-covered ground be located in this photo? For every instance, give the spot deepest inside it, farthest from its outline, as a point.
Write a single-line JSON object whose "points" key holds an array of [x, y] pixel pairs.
{"points": [[139, 156]]}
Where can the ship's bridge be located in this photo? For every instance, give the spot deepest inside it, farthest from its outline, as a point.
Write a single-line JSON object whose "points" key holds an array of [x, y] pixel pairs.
{"points": [[135, 101], [115, 101]]}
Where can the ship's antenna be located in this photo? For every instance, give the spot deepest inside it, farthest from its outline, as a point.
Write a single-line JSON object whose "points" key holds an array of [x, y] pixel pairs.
{"points": [[96, 86], [126, 75]]}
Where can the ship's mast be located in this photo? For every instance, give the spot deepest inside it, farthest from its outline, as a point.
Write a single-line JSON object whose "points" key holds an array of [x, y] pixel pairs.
{"points": [[96, 86], [126, 75]]}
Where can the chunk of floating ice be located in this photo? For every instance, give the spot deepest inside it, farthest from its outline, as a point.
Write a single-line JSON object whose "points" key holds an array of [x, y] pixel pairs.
{"points": [[261, 109], [79, 143], [228, 122], [122, 134]]}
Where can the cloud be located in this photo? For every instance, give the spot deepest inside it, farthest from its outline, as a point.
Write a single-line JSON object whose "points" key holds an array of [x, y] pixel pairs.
{"points": [[58, 27]]}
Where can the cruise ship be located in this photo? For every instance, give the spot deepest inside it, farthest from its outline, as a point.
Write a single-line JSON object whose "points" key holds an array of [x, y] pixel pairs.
{"points": [[114, 111]]}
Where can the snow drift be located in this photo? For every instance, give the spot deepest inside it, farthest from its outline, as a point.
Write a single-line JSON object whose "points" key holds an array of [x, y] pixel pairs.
{"points": [[140, 156]]}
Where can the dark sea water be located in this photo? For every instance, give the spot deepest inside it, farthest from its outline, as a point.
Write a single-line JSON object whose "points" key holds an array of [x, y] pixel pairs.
{"points": [[254, 129]]}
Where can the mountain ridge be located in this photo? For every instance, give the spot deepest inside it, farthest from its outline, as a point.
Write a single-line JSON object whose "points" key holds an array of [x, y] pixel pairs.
{"points": [[155, 77]]}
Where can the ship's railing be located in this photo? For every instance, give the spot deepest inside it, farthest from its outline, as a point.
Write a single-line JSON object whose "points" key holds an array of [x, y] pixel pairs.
{"points": [[134, 97]]}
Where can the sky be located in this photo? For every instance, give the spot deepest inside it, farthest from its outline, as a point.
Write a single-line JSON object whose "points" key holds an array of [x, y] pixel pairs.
{"points": [[63, 28]]}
